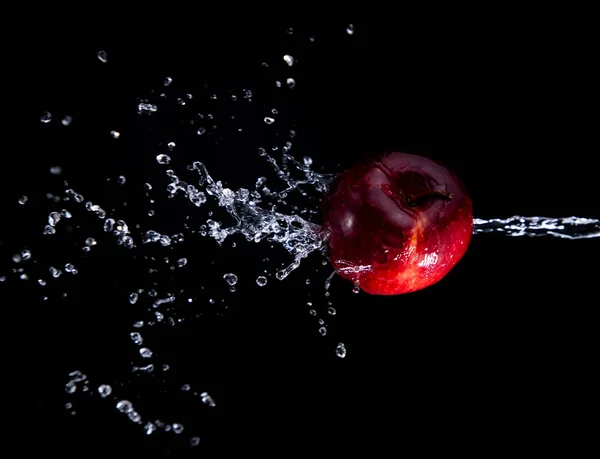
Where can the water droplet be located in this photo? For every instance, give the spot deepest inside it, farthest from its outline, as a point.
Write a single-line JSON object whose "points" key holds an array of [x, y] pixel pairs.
{"points": [[355, 290], [261, 281], [207, 399], [90, 241], [269, 120], [121, 180], [201, 131], [56, 170], [145, 108], [350, 29], [177, 428], [168, 81], [53, 218], [134, 416], [331, 311], [171, 145], [136, 338], [69, 268], [49, 229], [182, 262], [17, 258], [102, 56], [138, 324], [194, 441], [163, 159], [124, 406], [291, 83], [115, 134], [104, 390], [185, 387], [323, 331], [133, 298], [289, 60], [23, 200], [145, 352], [54, 272], [230, 278], [42, 282], [340, 350]]}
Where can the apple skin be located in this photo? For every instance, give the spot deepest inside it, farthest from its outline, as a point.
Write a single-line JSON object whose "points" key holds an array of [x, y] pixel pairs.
{"points": [[397, 223]]}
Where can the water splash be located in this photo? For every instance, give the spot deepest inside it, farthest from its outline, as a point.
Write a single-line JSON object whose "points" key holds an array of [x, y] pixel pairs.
{"points": [[564, 228]]}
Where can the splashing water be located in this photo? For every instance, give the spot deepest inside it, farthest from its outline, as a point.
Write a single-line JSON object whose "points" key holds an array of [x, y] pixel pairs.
{"points": [[564, 228], [255, 217]]}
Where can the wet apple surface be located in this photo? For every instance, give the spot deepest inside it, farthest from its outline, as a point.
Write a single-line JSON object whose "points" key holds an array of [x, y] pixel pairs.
{"points": [[397, 223]]}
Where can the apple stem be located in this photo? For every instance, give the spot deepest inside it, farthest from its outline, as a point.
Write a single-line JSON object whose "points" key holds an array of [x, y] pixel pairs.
{"points": [[417, 199]]}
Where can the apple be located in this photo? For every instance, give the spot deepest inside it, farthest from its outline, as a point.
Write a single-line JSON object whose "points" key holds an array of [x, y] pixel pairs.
{"points": [[396, 223]]}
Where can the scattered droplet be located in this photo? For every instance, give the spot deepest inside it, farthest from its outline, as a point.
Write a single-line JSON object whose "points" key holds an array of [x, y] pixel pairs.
{"points": [[149, 428], [207, 399], [230, 278], [136, 338], [121, 180], [67, 120], [163, 159], [102, 56], [115, 134], [171, 145], [289, 60], [168, 81], [23, 200], [124, 406], [185, 387], [291, 83], [104, 390], [90, 241], [201, 131], [269, 120], [331, 311], [145, 352], [182, 262], [177, 428], [323, 331], [261, 281], [340, 350], [194, 441], [46, 117], [350, 29], [133, 298]]}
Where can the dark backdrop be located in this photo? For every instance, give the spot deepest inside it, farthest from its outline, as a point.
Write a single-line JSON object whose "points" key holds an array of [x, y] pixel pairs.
{"points": [[495, 357]]}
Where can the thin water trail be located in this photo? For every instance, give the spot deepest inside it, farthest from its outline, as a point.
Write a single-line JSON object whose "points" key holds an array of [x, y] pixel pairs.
{"points": [[564, 228]]}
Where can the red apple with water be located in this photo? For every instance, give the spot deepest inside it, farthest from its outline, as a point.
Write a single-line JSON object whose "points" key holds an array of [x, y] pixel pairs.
{"points": [[397, 223]]}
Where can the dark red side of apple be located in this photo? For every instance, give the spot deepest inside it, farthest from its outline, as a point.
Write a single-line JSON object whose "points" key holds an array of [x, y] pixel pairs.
{"points": [[397, 223]]}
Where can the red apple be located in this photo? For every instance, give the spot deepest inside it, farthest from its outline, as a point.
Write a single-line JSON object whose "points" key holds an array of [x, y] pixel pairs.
{"points": [[397, 223]]}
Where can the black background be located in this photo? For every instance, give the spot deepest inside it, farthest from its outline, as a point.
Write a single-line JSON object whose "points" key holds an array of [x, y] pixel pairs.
{"points": [[495, 357]]}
